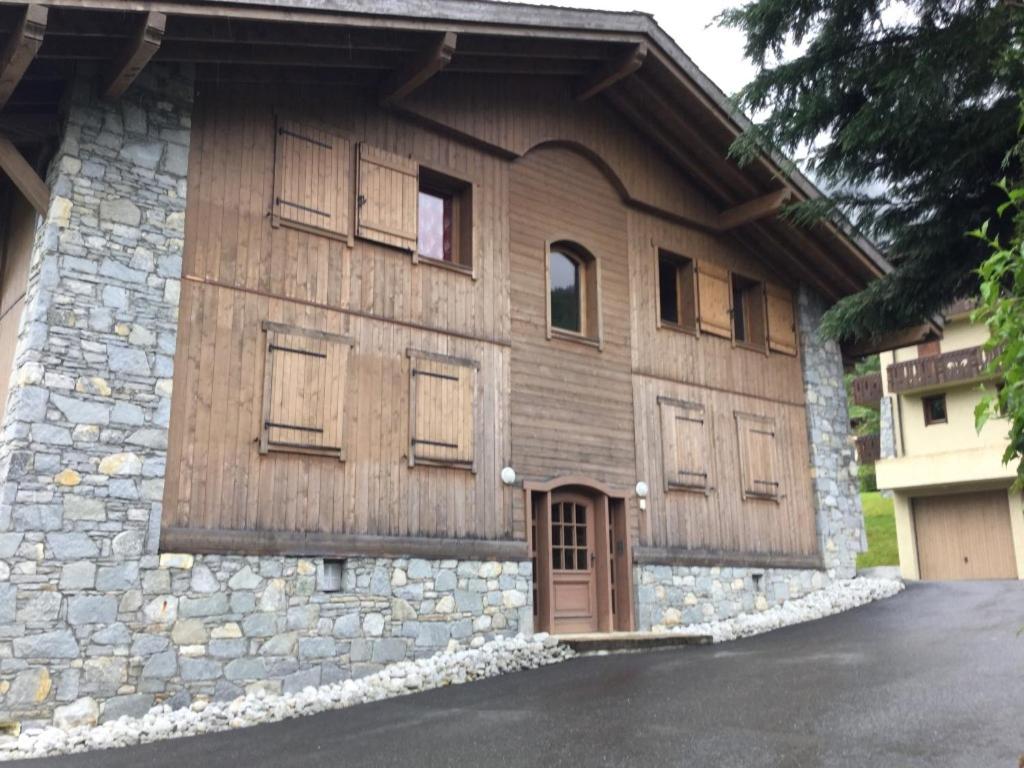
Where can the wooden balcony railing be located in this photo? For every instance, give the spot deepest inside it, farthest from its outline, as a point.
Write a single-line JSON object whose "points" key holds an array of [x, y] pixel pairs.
{"points": [[867, 389], [960, 366], [869, 449]]}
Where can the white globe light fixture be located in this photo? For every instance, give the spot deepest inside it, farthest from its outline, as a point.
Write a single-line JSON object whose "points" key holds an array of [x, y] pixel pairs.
{"points": [[508, 475], [642, 489]]}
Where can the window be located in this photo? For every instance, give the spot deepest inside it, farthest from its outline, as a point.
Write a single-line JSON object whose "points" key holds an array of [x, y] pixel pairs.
{"points": [[685, 445], [759, 460], [303, 391], [444, 231], [748, 313], [572, 293], [934, 409], [677, 307], [566, 292], [441, 402]]}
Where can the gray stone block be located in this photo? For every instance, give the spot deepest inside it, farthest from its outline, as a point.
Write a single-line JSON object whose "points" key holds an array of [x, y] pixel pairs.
{"points": [[226, 649], [316, 647], [260, 625], [388, 650], [296, 681], [161, 665], [200, 669], [213, 605], [130, 705], [446, 581], [115, 634], [8, 603], [348, 625], [433, 634], [245, 669], [118, 577], [71, 546], [92, 609]]}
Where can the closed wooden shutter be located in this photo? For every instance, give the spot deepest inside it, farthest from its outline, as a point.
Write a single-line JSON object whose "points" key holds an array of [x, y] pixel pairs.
{"points": [[686, 454], [715, 296], [304, 391], [441, 401], [388, 193], [312, 179], [781, 319], [758, 445]]}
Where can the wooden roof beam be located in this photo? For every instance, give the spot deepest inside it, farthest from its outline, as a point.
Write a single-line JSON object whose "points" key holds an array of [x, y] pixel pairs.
{"points": [[21, 48], [131, 61], [24, 176], [422, 68], [904, 337], [754, 210], [609, 74]]}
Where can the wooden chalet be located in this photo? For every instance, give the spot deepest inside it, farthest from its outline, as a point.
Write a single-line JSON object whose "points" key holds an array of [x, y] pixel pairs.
{"points": [[464, 280]]}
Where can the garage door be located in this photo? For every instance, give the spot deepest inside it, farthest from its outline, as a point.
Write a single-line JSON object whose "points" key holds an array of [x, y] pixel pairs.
{"points": [[964, 536]]}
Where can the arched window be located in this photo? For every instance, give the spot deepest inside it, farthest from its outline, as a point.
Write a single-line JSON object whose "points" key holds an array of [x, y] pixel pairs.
{"points": [[572, 293]]}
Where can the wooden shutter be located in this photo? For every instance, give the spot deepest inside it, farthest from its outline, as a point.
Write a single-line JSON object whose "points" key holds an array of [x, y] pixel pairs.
{"points": [[388, 194], [685, 445], [441, 403], [715, 296], [304, 391], [781, 319], [312, 179], [758, 444]]}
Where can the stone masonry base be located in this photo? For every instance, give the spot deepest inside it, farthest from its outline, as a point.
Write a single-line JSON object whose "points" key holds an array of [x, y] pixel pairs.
{"points": [[210, 626], [672, 596]]}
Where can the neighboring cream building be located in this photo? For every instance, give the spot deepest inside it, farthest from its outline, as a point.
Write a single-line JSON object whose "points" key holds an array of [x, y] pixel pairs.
{"points": [[956, 517]]}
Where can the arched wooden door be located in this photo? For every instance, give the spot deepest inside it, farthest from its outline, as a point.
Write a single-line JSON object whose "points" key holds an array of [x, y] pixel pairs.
{"points": [[573, 563]]}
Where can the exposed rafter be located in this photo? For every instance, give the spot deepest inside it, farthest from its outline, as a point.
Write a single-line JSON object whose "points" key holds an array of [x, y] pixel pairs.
{"points": [[425, 66], [21, 49], [24, 176], [609, 74], [894, 340], [130, 62], [753, 210]]}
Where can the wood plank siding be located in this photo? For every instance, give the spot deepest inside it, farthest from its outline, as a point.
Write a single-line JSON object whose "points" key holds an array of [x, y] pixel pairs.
{"points": [[440, 375]]}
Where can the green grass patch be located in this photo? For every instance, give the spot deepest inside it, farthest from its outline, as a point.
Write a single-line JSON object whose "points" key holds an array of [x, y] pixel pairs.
{"points": [[880, 523]]}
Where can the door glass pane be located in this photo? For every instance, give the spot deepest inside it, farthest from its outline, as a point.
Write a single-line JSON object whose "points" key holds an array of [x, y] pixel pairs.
{"points": [[565, 293], [581, 559]]}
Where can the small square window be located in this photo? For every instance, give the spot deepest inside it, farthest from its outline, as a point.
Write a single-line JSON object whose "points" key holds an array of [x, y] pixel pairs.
{"points": [[677, 306], [444, 220], [748, 313], [934, 410]]}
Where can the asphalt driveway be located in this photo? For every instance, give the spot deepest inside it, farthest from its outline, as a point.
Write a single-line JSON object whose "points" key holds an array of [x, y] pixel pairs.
{"points": [[933, 677]]}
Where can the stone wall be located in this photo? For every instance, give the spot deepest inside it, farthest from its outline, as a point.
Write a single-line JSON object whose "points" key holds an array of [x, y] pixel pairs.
{"points": [[669, 596]]}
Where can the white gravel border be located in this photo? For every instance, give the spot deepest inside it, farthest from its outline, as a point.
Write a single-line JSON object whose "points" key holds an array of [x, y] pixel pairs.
{"points": [[837, 597], [453, 667]]}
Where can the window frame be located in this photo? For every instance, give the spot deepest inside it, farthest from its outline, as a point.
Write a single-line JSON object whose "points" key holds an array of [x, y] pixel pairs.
{"points": [[928, 420], [591, 321], [680, 263], [439, 183], [749, 286]]}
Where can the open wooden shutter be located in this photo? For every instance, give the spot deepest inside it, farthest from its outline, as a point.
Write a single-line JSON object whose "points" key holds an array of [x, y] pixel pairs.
{"points": [[312, 179], [758, 443], [388, 194], [304, 391], [715, 296], [441, 402], [685, 445], [781, 319]]}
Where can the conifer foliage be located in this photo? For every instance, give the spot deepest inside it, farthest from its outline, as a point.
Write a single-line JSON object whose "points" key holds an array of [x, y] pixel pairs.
{"points": [[904, 111]]}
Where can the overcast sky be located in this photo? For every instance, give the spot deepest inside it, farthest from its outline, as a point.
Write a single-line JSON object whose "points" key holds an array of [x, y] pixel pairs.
{"points": [[718, 52]]}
